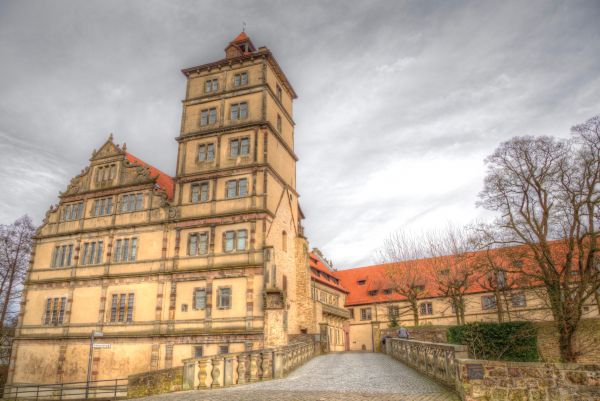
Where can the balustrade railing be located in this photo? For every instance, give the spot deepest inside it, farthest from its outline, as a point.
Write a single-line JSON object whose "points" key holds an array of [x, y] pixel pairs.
{"points": [[436, 360], [245, 367]]}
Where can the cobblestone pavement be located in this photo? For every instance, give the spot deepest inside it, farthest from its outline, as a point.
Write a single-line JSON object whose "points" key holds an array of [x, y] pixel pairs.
{"points": [[341, 376]]}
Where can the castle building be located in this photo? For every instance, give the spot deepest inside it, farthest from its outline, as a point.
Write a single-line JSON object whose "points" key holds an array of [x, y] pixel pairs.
{"points": [[161, 268]]}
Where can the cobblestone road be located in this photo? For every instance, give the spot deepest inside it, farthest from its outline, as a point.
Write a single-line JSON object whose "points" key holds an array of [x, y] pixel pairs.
{"points": [[344, 377]]}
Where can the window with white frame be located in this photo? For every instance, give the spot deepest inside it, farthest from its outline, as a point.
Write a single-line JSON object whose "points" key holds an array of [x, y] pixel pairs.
{"points": [[206, 152], [102, 207], [239, 111], [208, 116], [426, 308], [73, 211], [200, 192], [132, 202], [236, 188], [62, 256], [365, 313], [239, 147], [235, 240], [92, 252], [55, 311], [125, 250], [121, 308], [198, 244], [224, 298]]}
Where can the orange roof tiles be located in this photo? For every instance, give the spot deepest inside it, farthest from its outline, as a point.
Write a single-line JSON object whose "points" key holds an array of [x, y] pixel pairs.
{"points": [[324, 275], [240, 38], [164, 180]]}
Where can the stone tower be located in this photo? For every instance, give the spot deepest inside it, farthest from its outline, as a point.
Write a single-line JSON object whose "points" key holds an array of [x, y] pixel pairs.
{"points": [[212, 260]]}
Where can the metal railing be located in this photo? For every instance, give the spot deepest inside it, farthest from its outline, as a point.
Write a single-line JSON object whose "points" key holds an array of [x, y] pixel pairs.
{"points": [[98, 389]]}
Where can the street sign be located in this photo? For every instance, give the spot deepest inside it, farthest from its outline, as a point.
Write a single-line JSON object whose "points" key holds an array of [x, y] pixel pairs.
{"points": [[102, 345]]}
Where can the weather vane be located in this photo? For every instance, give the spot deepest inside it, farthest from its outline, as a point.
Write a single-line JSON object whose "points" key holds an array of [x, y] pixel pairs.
{"points": [[244, 26]]}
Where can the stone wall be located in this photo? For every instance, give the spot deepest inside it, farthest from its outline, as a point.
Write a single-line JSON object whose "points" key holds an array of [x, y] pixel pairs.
{"points": [[155, 382], [587, 341], [515, 381], [429, 333]]}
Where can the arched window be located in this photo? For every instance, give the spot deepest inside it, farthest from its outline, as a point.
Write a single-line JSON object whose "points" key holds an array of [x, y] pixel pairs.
{"points": [[284, 241]]}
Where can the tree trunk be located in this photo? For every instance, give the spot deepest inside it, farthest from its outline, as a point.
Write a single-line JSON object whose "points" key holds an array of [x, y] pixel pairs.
{"points": [[499, 306], [415, 311], [565, 341], [7, 295]]}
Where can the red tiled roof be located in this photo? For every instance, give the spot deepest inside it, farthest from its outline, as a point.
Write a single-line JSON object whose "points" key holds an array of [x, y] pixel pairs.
{"points": [[240, 38], [377, 277], [317, 264], [164, 180]]}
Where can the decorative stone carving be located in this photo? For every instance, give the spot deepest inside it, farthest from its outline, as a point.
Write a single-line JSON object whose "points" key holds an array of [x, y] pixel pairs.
{"points": [[274, 299]]}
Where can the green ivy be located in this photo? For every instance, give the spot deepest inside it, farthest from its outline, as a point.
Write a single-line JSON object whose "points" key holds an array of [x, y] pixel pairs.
{"points": [[510, 341]]}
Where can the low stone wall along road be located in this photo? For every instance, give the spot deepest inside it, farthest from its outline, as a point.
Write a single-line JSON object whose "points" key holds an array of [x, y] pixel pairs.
{"points": [[346, 376]]}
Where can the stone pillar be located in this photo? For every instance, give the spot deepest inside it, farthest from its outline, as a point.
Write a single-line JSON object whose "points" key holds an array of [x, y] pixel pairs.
{"points": [[376, 335], [202, 373], [278, 364], [254, 367], [266, 364], [216, 372], [241, 369], [228, 371]]}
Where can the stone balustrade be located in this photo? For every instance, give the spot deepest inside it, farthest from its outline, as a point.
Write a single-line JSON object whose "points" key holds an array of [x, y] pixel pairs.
{"points": [[436, 360], [245, 367]]}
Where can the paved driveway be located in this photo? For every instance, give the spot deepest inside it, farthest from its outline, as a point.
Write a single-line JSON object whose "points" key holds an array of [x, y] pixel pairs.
{"points": [[343, 376]]}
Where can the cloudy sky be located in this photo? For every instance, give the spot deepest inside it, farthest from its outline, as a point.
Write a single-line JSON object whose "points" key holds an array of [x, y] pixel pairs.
{"points": [[399, 101]]}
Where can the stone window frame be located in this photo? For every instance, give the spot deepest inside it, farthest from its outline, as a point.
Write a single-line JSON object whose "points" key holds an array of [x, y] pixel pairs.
{"points": [[394, 311], [97, 254], [199, 289], [218, 294], [278, 92], [279, 124], [240, 142], [195, 348], [102, 207], [127, 311], [105, 173], [243, 78], [203, 148], [74, 211], [64, 251], [119, 250], [200, 184], [235, 239], [237, 188], [366, 314], [54, 310], [211, 85], [239, 111], [198, 234], [125, 202], [210, 112]]}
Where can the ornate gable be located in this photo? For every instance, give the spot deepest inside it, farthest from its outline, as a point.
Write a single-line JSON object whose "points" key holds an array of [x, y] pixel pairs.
{"points": [[109, 149]]}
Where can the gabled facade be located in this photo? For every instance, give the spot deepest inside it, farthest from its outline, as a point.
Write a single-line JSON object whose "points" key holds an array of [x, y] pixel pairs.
{"points": [[212, 260]]}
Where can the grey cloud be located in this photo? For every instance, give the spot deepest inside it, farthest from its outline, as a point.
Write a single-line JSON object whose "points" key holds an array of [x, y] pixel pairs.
{"points": [[386, 89]]}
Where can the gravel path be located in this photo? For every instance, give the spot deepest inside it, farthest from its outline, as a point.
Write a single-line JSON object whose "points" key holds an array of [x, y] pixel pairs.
{"points": [[340, 376]]}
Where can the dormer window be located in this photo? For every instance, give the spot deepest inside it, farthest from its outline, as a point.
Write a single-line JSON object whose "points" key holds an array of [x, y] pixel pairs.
{"points": [[106, 173], [372, 293], [361, 282]]}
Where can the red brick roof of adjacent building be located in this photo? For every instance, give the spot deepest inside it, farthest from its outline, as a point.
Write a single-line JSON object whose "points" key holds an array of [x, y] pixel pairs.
{"points": [[377, 278], [164, 181], [321, 273]]}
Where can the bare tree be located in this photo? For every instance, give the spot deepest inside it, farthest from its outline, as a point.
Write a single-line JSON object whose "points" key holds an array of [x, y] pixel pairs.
{"points": [[451, 252], [547, 193], [15, 251], [401, 252]]}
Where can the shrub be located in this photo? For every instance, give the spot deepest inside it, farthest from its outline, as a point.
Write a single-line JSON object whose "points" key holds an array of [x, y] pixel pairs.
{"points": [[510, 341]]}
